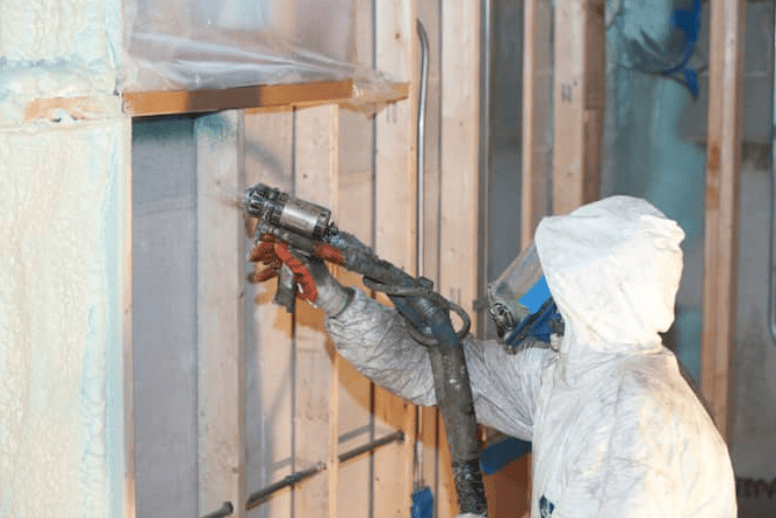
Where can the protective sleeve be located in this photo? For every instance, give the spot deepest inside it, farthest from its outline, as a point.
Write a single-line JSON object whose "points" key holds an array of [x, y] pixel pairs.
{"points": [[375, 340]]}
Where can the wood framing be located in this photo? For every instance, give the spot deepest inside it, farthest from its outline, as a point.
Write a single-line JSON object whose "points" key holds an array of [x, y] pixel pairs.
{"points": [[270, 353], [395, 232], [316, 409], [726, 84], [221, 353], [178, 101], [127, 323], [537, 91], [356, 189], [460, 179], [578, 103], [153, 103]]}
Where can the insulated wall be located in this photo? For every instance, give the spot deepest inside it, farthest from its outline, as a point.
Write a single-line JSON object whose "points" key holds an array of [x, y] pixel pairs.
{"points": [[656, 148], [65, 342]]}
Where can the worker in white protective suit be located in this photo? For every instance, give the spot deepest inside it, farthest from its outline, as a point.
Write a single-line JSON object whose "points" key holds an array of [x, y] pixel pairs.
{"points": [[616, 430]]}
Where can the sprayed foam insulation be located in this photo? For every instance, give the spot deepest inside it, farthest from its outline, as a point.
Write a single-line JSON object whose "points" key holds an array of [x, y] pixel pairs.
{"points": [[58, 48], [63, 239]]}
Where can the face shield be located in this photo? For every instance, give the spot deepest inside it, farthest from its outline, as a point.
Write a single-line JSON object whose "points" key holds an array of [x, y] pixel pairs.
{"points": [[520, 305]]}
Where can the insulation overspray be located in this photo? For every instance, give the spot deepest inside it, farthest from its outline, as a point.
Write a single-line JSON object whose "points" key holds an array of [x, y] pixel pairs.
{"points": [[61, 410]]}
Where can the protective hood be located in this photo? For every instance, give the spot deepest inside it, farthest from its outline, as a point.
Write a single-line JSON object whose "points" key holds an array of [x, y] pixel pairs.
{"points": [[613, 268]]}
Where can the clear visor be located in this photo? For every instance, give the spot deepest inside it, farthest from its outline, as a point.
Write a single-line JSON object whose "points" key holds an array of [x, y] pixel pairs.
{"points": [[513, 284]]}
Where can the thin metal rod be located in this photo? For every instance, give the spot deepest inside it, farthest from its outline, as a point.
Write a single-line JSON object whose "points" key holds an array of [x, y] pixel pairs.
{"points": [[771, 265], [394, 437], [421, 144], [259, 496], [226, 510], [419, 255]]}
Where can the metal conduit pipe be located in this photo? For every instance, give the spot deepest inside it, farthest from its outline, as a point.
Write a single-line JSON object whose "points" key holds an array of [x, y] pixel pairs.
{"points": [[226, 510], [257, 498], [421, 147], [771, 254], [421, 215]]}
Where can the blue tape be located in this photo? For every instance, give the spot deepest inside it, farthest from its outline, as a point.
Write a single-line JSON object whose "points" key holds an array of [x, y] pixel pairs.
{"points": [[498, 456], [536, 296], [422, 503]]}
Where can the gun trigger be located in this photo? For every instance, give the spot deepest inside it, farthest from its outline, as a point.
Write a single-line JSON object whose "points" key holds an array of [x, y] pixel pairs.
{"points": [[286, 292]]}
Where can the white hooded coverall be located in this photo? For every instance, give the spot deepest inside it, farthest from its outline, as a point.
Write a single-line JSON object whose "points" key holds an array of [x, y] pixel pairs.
{"points": [[616, 430]]}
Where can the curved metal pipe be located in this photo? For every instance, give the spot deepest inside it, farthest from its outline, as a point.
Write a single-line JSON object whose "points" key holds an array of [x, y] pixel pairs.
{"points": [[421, 155], [419, 256]]}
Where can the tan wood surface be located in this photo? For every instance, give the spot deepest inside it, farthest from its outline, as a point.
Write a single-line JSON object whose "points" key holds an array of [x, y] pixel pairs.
{"points": [[221, 351], [140, 104], [578, 103], [270, 365], [726, 85], [395, 227], [316, 412], [537, 100], [460, 181]]}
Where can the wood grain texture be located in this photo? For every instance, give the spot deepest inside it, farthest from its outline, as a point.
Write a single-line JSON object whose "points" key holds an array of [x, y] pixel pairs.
{"points": [[127, 318], [221, 352], [181, 101], [395, 232], [725, 119], [578, 102], [537, 102], [316, 412], [459, 181], [269, 141], [356, 189]]}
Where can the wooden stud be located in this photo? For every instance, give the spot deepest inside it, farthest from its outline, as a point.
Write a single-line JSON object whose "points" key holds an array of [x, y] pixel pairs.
{"points": [[316, 412], [269, 141], [219, 308], [78, 108], [126, 266], [356, 150], [395, 228], [459, 180], [726, 85], [537, 88], [579, 97]]}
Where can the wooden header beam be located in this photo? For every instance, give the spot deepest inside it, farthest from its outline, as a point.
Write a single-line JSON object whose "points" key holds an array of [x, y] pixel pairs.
{"points": [[140, 104], [726, 85]]}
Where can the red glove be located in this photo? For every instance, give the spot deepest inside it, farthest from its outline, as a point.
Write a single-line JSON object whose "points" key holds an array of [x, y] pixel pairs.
{"points": [[275, 255]]}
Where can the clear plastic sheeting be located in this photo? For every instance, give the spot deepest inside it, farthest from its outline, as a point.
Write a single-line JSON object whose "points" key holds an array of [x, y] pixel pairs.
{"points": [[197, 44]]}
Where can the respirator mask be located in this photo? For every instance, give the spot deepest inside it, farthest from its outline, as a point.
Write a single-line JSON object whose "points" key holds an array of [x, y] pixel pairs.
{"points": [[520, 304]]}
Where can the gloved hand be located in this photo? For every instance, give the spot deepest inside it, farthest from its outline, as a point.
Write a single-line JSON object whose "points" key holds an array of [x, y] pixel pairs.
{"points": [[317, 285]]}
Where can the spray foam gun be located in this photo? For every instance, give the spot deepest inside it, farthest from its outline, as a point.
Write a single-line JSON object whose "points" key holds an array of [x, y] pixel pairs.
{"points": [[306, 229]]}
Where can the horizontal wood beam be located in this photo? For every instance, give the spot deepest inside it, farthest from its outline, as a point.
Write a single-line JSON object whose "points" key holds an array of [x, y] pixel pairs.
{"points": [[139, 104]]}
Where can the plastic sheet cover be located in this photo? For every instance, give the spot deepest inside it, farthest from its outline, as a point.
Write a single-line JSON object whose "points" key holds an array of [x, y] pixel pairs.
{"points": [[201, 44]]}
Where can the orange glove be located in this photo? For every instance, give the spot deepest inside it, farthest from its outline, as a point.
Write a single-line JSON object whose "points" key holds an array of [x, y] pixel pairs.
{"points": [[274, 255]]}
